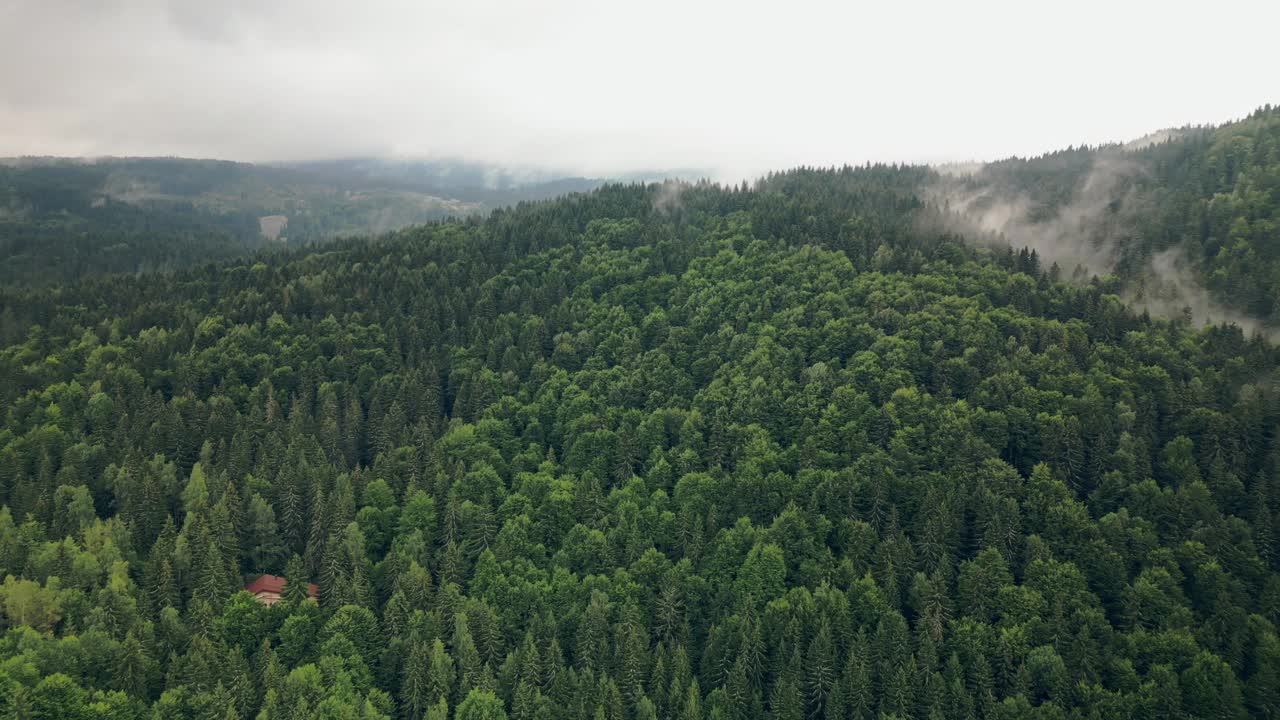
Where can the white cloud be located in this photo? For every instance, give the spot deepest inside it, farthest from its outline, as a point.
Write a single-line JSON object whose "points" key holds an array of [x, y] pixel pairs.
{"points": [[603, 86]]}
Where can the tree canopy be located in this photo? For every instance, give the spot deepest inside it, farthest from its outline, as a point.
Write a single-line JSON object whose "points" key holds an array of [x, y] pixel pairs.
{"points": [[777, 450]]}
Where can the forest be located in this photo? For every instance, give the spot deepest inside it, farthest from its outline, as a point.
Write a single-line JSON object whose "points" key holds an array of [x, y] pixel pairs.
{"points": [[792, 449], [62, 219]]}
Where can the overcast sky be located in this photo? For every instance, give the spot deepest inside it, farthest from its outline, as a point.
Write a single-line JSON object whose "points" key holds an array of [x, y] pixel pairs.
{"points": [[601, 86]]}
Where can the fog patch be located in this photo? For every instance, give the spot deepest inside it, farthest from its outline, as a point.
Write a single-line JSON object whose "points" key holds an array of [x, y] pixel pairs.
{"points": [[1155, 138], [959, 169], [1080, 235], [1167, 288], [667, 199], [1090, 234]]}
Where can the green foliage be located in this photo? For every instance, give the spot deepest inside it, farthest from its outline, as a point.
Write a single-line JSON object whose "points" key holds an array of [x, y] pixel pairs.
{"points": [[480, 705], [779, 451]]}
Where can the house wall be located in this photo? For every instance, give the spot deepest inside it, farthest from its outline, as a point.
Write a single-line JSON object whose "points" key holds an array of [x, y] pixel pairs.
{"points": [[267, 598]]}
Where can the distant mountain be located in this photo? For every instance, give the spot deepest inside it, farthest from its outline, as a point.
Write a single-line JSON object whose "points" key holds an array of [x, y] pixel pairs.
{"points": [[1187, 220], [62, 218], [459, 179]]}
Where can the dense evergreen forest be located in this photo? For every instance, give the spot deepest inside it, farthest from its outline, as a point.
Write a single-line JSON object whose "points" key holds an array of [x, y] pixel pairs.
{"points": [[791, 450]]}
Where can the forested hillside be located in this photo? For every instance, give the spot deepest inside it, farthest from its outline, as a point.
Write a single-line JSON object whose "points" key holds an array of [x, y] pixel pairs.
{"points": [[57, 223], [790, 451], [1168, 215], [63, 219], [1186, 220]]}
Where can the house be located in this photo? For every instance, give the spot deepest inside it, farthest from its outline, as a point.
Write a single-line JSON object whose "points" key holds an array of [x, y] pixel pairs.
{"points": [[268, 589]]}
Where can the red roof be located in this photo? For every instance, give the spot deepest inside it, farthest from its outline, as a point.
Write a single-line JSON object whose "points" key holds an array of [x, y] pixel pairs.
{"points": [[274, 584]]}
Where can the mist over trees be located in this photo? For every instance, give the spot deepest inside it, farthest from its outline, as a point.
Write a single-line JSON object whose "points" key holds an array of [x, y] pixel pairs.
{"points": [[1186, 219]]}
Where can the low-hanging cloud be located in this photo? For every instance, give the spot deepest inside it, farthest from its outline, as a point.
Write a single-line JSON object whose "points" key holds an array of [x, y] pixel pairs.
{"points": [[666, 197], [1079, 235], [596, 88], [1088, 235], [1168, 287]]}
